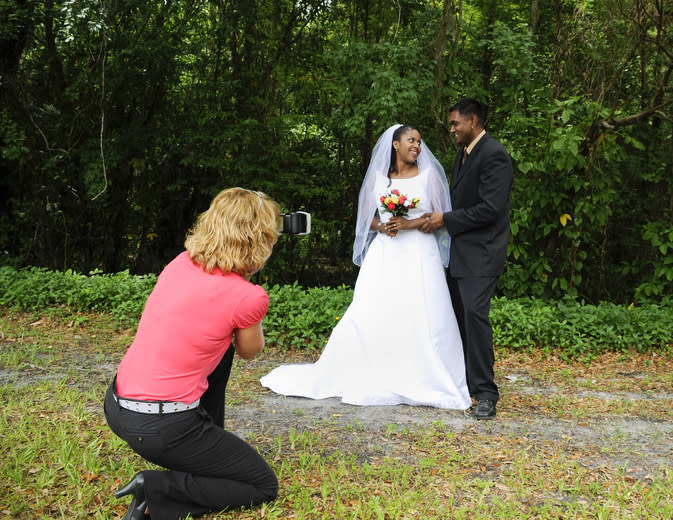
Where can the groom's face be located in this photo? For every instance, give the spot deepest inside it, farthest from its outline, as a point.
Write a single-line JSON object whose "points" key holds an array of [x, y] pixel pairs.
{"points": [[462, 128]]}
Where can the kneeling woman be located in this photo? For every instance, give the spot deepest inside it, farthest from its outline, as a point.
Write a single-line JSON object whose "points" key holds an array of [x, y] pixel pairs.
{"points": [[167, 399]]}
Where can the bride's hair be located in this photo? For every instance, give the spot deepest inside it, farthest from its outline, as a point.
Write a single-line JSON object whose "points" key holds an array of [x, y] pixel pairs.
{"points": [[397, 134]]}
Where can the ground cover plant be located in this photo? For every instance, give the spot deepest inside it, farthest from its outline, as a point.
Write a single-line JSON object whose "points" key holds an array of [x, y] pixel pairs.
{"points": [[574, 438], [302, 318]]}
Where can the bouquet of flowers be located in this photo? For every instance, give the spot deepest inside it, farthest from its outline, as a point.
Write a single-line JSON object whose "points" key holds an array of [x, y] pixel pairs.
{"points": [[398, 204]]}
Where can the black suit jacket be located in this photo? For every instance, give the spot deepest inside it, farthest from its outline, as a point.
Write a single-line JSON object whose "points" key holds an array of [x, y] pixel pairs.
{"points": [[480, 201]]}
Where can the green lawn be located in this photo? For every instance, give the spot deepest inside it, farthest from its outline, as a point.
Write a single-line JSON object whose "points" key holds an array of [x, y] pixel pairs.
{"points": [[572, 440]]}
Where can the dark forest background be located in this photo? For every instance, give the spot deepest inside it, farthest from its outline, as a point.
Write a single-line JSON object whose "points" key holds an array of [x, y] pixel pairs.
{"points": [[120, 119]]}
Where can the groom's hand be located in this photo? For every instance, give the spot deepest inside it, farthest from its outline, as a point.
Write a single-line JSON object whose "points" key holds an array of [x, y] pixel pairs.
{"points": [[433, 221]]}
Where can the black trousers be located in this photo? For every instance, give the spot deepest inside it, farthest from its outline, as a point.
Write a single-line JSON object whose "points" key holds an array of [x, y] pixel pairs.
{"points": [[472, 304], [210, 469]]}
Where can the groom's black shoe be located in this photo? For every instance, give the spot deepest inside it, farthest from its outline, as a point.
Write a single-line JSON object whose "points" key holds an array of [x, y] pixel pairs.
{"points": [[485, 410]]}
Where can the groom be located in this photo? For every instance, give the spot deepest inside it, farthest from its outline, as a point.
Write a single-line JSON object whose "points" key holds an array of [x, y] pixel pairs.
{"points": [[481, 183]]}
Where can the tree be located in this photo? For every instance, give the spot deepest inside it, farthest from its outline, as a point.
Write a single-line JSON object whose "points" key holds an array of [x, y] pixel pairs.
{"points": [[120, 121]]}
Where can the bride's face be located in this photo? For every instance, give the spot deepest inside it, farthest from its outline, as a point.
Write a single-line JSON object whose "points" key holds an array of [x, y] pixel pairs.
{"points": [[409, 146]]}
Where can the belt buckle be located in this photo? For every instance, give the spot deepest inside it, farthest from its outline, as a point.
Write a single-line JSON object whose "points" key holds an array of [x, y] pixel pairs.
{"points": [[168, 407]]}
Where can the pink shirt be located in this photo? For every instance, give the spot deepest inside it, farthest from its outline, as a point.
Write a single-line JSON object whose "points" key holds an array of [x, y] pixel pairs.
{"points": [[185, 329]]}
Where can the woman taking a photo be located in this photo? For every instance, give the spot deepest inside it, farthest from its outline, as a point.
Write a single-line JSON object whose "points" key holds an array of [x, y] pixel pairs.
{"points": [[167, 399]]}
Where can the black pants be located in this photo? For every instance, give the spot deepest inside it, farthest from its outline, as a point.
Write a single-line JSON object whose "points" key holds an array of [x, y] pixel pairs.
{"points": [[472, 303], [210, 469]]}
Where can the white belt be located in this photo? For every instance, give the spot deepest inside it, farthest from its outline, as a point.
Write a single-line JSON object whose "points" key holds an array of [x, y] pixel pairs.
{"points": [[156, 407]]}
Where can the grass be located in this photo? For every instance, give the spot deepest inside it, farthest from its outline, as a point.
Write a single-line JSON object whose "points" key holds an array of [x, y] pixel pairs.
{"points": [[558, 449]]}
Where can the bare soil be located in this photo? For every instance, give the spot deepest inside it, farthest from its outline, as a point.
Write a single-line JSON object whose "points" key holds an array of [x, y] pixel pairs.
{"points": [[609, 414]]}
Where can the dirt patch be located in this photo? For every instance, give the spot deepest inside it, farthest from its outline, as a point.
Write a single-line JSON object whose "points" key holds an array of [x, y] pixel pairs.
{"points": [[627, 426]]}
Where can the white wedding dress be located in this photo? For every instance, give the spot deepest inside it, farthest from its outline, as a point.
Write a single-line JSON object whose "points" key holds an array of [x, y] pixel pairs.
{"points": [[398, 342]]}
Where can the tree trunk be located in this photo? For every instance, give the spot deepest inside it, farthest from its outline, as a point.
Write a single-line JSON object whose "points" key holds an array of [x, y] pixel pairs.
{"points": [[447, 26], [534, 14]]}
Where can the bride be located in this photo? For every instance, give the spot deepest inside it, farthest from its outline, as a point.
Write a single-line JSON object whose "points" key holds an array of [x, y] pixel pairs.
{"points": [[398, 342]]}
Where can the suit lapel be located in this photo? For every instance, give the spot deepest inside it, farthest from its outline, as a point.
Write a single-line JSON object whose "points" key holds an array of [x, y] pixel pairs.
{"points": [[460, 172]]}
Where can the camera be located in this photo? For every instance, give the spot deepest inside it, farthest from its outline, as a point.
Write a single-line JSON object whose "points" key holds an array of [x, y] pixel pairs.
{"points": [[296, 223]]}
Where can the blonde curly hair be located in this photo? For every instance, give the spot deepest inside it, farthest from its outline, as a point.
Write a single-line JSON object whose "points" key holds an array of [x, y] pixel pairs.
{"points": [[236, 233]]}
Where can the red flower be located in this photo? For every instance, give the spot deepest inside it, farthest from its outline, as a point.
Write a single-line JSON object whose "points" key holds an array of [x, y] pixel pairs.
{"points": [[397, 204]]}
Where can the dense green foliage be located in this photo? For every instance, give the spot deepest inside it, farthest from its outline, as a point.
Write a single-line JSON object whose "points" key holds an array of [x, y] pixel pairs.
{"points": [[120, 120], [303, 318]]}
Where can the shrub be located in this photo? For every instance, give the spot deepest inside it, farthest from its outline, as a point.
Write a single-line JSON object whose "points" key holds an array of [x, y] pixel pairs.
{"points": [[579, 329], [302, 318], [33, 288]]}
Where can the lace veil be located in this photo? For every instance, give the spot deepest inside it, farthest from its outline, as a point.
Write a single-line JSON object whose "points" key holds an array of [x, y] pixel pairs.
{"points": [[368, 200]]}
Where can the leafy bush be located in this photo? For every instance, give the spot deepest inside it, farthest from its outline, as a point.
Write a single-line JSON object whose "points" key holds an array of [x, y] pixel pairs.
{"points": [[302, 318], [33, 288], [577, 329]]}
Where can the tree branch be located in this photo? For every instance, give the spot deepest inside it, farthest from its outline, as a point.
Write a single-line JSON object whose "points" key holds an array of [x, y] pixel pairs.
{"points": [[611, 123]]}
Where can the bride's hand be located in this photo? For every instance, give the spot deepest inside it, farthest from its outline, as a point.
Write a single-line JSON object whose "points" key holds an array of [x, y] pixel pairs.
{"points": [[395, 224], [389, 229]]}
